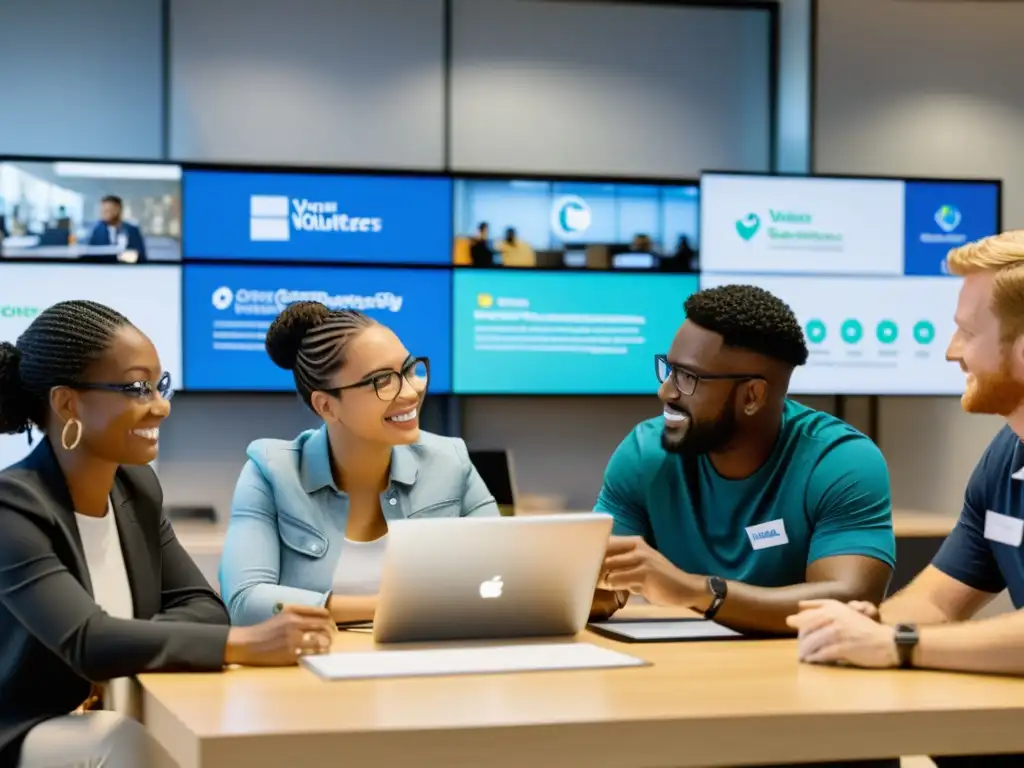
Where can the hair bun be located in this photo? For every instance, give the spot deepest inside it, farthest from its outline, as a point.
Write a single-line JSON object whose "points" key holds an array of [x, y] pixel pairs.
{"points": [[285, 335], [13, 407]]}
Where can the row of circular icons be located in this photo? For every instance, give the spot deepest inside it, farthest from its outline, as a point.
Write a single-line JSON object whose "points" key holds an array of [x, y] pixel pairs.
{"points": [[886, 331]]}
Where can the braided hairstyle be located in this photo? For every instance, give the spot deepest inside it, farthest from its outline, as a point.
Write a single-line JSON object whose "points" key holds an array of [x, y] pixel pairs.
{"points": [[55, 350], [310, 340]]}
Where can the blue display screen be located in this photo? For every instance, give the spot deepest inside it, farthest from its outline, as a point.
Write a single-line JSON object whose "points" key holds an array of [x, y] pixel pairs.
{"points": [[941, 215], [228, 310], [313, 217], [548, 333]]}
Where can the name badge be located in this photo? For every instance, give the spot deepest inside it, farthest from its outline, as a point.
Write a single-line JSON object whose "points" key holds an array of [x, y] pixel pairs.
{"points": [[1004, 529], [770, 534]]}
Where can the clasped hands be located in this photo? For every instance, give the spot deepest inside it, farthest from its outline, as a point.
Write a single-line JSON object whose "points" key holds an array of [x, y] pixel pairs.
{"points": [[631, 564], [847, 634]]}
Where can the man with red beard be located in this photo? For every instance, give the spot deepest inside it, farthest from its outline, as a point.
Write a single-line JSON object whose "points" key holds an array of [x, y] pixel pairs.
{"points": [[928, 624]]}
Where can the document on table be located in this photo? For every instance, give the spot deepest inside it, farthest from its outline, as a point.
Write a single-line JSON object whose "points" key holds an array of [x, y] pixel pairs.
{"points": [[467, 661], [661, 630]]}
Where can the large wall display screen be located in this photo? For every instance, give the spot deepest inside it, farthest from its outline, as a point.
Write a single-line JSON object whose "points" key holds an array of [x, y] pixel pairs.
{"points": [[240, 215], [228, 310], [113, 213], [862, 262], [547, 333], [575, 224], [149, 296]]}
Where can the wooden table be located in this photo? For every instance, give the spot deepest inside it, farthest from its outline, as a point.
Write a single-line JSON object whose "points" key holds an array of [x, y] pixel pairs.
{"points": [[699, 704]]}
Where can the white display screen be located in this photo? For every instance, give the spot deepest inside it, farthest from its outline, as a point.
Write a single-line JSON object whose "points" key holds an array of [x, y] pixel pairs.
{"points": [[862, 264], [149, 296]]}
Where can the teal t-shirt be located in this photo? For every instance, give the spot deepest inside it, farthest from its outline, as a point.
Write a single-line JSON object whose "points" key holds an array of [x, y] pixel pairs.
{"points": [[823, 492]]}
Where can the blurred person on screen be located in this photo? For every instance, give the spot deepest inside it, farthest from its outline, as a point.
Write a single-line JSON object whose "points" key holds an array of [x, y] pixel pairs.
{"points": [[94, 586], [113, 230], [516, 252], [931, 623], [309, 519], [738, 502], [481, 254]]}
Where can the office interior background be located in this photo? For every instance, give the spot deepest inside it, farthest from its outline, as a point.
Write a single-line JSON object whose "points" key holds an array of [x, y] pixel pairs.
{"points": [[632, 89]]}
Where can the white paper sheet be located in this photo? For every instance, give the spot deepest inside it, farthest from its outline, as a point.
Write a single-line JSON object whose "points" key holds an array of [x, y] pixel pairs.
{"points": [[668, 630], [465, 661]]}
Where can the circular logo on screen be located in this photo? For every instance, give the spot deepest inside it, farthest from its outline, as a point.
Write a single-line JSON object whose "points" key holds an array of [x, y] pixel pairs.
{"points": [[570, 217], [222, 298]]}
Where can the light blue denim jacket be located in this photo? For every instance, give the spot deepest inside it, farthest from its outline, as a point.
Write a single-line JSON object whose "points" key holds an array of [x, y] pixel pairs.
{"points": [[288, 518]]}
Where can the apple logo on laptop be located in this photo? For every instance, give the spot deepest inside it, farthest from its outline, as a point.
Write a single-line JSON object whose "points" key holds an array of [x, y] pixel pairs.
{"points": [[491, 588]]}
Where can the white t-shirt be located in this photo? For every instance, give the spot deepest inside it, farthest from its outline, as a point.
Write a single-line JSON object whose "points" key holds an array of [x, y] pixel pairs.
{"points": [[359, 567], [110, 588]]}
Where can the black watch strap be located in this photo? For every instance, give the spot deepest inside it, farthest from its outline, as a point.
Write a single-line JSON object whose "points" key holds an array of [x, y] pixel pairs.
{"points": [[718, 588], [906, 637]]}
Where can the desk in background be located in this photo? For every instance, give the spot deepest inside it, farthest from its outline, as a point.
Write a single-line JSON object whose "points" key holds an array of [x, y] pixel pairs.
{"points": [[700, 704]]}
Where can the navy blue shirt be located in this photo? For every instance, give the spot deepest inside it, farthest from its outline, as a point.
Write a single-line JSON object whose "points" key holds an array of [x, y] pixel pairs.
{"points": [[984, 549]]}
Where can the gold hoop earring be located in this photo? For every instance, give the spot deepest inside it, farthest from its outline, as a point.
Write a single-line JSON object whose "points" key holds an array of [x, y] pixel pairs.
{"points": [[64, 434]]}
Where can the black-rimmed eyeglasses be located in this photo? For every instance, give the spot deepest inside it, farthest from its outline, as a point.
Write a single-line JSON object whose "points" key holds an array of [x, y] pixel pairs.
{"points": [[138, 390], [388, 384], [686, 381]]}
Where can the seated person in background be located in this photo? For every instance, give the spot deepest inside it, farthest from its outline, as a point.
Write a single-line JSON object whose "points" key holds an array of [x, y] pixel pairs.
{"points": [[111, 229], [738, 502], [928, 624], [94, 586], [516, 252], [309, 519]]}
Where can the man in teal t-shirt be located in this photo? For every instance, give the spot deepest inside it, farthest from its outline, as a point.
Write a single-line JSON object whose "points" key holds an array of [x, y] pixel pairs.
{"points": [[738, 502]]}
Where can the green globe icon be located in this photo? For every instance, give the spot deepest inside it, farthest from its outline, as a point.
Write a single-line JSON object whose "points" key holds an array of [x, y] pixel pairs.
{"points": [[851, 331], [924, 332], [816, 331], [887, 331]]}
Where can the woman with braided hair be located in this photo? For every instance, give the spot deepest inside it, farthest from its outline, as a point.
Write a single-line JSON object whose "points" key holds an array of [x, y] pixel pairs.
{"points": [[309, 519], [94, 586]]}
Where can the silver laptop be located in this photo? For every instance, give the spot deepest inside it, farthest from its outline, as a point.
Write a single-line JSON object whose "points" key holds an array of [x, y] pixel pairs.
{"points": [[489, 578]]}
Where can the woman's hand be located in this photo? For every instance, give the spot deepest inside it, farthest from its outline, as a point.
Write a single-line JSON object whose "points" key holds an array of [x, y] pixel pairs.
{"points": [[298, 630]]}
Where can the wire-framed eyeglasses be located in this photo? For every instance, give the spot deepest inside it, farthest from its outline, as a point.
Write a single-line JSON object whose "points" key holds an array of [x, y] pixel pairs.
{"points": [[143, 391]]}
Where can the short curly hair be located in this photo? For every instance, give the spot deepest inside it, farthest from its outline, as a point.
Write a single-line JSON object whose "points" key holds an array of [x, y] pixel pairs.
{"points": [[751, 318]]}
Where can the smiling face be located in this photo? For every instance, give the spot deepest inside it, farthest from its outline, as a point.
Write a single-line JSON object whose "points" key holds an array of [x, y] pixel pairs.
{"points": [[122, 427], [986, 353], [717, 392], [381, 390]]}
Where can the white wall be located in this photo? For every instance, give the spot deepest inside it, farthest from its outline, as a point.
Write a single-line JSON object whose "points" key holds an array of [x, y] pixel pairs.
{"points": [[81, 79], [926, 89], [308, 82], [608, 88]]}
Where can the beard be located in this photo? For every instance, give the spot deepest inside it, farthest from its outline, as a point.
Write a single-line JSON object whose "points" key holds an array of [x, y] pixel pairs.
{"points": [[997, 392], [707, 436]]}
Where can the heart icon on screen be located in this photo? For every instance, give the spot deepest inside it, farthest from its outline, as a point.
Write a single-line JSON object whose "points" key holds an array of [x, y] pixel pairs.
{"points": [[747, 226]]}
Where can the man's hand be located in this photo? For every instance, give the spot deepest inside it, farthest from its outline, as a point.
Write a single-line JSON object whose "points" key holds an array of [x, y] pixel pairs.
{"points": [[868, 609], [831, 632], [631, 564]]}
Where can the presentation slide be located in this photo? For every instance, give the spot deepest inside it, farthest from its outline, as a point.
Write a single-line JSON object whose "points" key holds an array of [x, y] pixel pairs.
{"points": [[148, 296], [946, 214], [108, 213], [548, 333], [801, 225], [317, 217], [228, 310], [558, 224], [869, 336]]}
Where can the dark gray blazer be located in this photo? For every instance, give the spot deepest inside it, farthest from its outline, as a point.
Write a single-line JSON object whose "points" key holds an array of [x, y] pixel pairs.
{"points": [[54, 639]]}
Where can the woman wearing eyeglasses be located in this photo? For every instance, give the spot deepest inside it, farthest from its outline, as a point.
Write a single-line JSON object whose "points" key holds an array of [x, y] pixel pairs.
{"points": [[94, 586], [309, 519]]}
